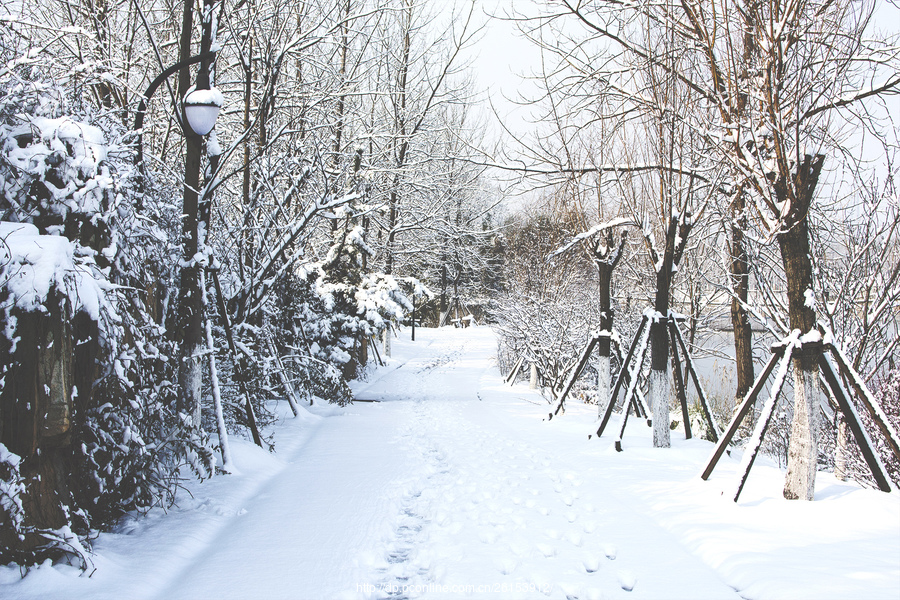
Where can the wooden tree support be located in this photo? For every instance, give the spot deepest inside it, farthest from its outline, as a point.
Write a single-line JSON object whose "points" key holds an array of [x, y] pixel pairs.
{"points": [[374, 345], [867, 400], [623, 372], [511, 378], [631, 377], [462, 312], [578, 368], [782, 353], [675, 332]]}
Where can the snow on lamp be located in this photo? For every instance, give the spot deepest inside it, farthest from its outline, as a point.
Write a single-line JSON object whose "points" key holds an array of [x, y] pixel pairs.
{"points": [[201, 107]]}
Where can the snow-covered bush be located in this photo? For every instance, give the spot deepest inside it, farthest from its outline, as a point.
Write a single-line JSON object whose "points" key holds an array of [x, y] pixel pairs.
{"points": [[12, 513], [329, 310], [550, 307], [82, 264]]}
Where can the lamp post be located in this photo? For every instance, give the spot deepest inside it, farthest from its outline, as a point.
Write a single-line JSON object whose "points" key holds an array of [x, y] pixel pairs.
{"points": [[197, 110]]}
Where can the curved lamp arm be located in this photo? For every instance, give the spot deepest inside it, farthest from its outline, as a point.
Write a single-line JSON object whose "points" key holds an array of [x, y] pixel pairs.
{"points": [[142, 107]]}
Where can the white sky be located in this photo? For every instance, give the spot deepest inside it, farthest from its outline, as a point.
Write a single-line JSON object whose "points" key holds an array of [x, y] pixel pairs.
{"points": [[500, 59]]}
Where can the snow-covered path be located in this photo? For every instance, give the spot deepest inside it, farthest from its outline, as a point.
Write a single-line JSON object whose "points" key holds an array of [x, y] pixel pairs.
{"points": [[452, 485]]}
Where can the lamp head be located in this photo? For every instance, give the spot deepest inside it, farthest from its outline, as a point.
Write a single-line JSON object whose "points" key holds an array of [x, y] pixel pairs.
{"points": [[201, 108]]}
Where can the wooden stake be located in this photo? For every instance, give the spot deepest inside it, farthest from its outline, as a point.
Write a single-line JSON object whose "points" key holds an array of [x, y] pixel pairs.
{"points": [[742, 411], [764, 418], [574, 373], [511, 378], [679, 382], [622, 374], [689, 368], [862, 438], [867, 400]]}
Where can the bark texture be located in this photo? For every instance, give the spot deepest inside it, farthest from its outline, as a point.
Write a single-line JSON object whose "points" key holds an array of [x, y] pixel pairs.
{"points": [[793, 241], [800, 481], [740, 286], [659, 404], [45, 376], [603, 375]]}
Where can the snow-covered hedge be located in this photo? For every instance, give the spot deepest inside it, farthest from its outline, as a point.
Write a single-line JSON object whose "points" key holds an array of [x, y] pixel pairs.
{"points": [[75, 290]]}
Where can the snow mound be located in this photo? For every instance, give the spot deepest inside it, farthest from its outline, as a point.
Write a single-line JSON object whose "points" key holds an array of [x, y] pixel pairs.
{"points": [[33, 264]]}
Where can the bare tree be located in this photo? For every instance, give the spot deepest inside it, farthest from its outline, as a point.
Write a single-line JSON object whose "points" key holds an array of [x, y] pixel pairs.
{"points": [[772, 75]]}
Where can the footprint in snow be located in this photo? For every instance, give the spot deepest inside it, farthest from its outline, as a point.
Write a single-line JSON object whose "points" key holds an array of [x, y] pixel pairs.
{"points": [[627, 580], [592, 594], [506, 564], [591, 563], [487, 536], [571, 477], [610, 551], [575, 538], [520, 547], [590, 526], [546, 549]]}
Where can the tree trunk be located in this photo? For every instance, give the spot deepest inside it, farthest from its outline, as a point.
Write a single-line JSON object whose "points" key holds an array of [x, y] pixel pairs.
{"points": [[659, 359], [189, 333], [189, 328], [603, 344], [803, 450], [740, 287], [36, 418]]}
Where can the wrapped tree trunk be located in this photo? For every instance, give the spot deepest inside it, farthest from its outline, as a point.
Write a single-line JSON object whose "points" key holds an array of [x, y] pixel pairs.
{"points": [[36, 422], [676, 240], [793, 241], [606, 256]]}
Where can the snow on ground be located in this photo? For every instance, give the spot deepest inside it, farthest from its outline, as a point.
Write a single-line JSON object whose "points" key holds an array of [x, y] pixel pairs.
{"points": [[454, 486]]}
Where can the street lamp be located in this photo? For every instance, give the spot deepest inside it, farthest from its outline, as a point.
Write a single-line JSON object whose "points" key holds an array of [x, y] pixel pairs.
{"points": [[145, 100]]}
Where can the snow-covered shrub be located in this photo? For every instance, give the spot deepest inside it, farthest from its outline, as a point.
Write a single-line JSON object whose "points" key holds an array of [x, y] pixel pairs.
{"points": [[80, 261], [12, 513], [329, 310], [550, 307]]}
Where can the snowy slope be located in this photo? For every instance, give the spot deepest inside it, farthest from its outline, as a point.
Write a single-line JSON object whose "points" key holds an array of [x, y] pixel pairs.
{"points": [[454, 486]]}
